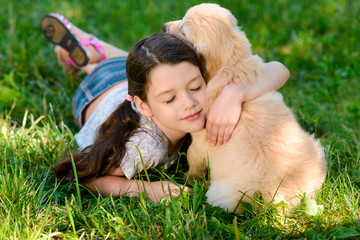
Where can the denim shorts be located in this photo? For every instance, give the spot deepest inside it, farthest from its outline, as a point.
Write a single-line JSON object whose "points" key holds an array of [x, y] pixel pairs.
{"points": [[105, 75]]}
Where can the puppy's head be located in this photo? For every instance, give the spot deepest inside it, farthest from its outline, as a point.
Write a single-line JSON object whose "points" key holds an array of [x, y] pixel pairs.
{"points": [[213, 31]]}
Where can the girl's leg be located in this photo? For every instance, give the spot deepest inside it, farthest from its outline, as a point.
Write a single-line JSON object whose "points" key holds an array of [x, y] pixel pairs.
{"points": [[76, 49], [79, 50], [109, 50]]}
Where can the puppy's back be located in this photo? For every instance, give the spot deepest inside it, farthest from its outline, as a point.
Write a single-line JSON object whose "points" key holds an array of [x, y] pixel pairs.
{"points": [[268, 152]]}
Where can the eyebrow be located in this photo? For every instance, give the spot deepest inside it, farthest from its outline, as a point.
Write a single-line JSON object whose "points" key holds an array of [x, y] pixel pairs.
{"points": [[169, 90]]}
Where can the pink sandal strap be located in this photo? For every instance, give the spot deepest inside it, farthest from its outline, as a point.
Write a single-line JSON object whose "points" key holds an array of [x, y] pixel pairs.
{"points": [[84, 42], [65, 21], [96, 43], [70, 62]]}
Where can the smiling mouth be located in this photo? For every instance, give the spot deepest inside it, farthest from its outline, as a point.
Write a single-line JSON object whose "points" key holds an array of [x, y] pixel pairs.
{"points": [[193, 116]]}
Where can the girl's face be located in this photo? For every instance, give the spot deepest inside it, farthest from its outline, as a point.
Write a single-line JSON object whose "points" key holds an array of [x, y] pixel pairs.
{"points": [[176, 97]]}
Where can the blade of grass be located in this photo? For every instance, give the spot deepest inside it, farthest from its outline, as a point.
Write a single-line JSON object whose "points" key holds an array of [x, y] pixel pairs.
{"points": [[76, 180], [352, 210]]}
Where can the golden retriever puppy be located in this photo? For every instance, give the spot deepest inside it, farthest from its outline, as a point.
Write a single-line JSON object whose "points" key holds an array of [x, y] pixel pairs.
{"points": [[268, 151]]}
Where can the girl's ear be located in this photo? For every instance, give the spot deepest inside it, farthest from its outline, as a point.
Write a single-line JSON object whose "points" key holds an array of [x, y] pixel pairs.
{"points": [[142, 107]]}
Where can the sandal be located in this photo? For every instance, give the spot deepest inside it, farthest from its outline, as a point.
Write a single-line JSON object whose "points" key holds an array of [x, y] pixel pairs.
{"points": [[68, 65], [57, 29]]}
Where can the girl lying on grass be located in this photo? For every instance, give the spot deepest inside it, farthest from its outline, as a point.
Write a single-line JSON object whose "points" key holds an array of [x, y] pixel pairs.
{"points": [[149, 108]]}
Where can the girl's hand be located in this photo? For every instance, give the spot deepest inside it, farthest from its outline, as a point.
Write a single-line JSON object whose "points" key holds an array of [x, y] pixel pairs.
{"points": [[115, 186], [224, 114], [161, 190]]}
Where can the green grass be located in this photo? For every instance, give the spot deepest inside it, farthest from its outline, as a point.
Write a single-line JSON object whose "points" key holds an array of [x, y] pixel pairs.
{"points": [[318, 42]]}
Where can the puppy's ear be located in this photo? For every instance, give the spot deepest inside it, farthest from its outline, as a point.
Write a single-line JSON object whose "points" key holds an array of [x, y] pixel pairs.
{"points": [[242, 43], [211, 42], [202, 33], [217, 37]]}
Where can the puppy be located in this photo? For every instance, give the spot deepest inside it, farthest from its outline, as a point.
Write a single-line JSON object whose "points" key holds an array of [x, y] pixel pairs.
{"points": [[268, 152]]}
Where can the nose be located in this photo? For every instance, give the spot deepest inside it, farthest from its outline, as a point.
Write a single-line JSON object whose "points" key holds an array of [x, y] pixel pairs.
{"points": [[164, 27], [189, 101]]}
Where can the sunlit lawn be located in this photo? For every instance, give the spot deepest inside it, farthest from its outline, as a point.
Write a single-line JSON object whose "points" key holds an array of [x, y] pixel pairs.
{"points": [[318, 42]]}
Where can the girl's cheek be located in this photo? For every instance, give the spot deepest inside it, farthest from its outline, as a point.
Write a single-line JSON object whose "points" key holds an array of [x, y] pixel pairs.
{"points": [[204, 99]]}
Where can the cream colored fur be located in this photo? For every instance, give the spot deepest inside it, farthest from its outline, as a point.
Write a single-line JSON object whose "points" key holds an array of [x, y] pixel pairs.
{"points": [[268, 151]]}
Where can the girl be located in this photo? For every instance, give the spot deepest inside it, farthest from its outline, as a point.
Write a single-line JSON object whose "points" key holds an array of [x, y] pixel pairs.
{"points": [[165, 96]]}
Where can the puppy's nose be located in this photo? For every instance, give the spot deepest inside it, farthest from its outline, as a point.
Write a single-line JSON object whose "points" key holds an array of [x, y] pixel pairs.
{"points": [[164, 27]]}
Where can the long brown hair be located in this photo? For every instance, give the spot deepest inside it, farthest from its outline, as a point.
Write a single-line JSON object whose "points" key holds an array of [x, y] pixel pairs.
{"points": [[108, 148]]}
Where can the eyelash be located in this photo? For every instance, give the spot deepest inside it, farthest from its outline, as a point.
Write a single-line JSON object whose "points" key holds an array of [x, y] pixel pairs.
{"points": [[194, 89], [182, 31], [171, 100]]}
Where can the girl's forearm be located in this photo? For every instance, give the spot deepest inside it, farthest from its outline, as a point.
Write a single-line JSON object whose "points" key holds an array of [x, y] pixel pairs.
{"points": [[273, 76], [114, 185], [119, 185]]}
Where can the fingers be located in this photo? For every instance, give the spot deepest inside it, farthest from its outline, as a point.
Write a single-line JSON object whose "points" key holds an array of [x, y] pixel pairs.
{"points": [[165, 189], [228, 131], [219, 135], [176, 191], [211, 133]]}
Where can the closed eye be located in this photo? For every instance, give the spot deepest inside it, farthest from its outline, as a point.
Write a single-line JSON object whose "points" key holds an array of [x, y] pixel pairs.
{"points": [[196, 89], [182, 31], [197, 85], [171, 100]]}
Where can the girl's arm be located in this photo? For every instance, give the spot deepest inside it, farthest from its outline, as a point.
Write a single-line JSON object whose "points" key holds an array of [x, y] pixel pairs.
{"points": [[116, 185], [225, 111]]}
